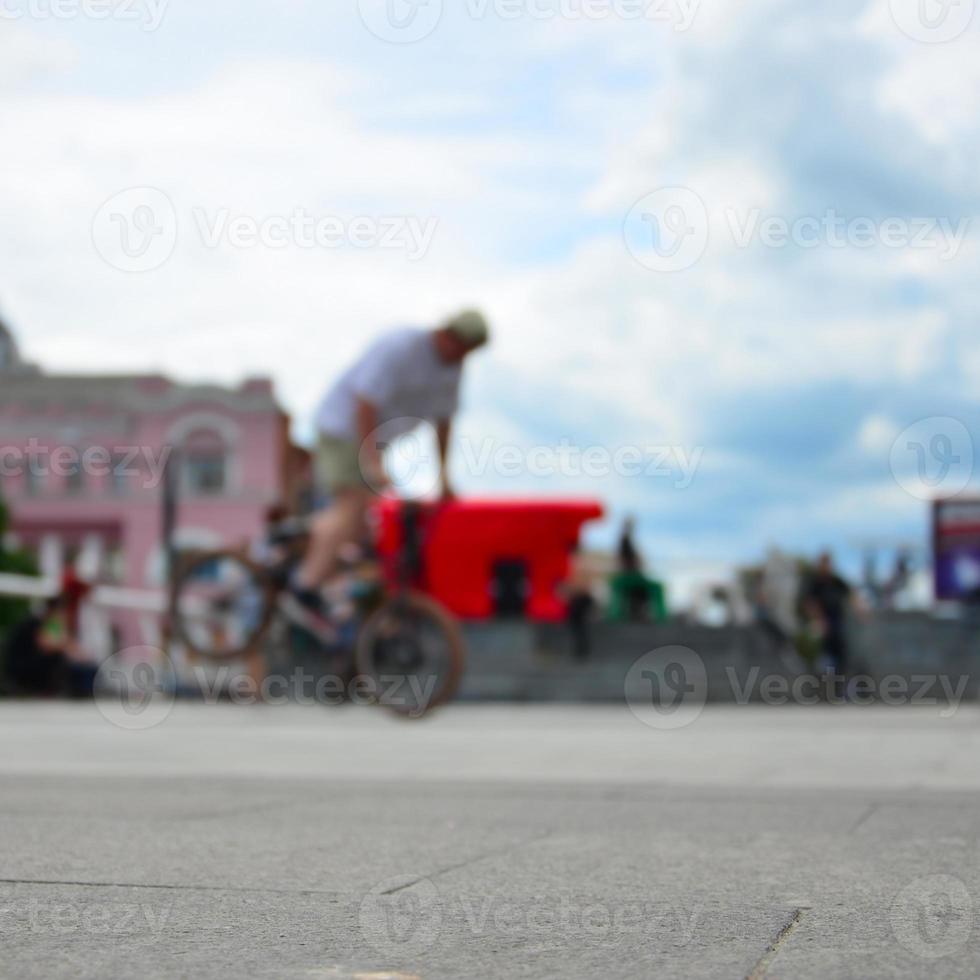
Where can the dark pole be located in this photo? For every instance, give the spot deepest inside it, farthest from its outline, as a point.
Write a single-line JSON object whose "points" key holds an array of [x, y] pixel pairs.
{"points": [[171, 491]]}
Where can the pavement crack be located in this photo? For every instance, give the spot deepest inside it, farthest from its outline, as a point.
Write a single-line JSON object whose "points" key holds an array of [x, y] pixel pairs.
{"points": [[499, 852], [772, 950], [864, 817]]}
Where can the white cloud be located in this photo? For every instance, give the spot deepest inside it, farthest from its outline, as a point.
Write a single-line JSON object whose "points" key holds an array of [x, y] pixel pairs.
{"points": [[25, 56], [877, 435], [530, 192]]}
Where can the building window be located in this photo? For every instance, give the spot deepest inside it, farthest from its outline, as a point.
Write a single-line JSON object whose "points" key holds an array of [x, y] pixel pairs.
{"points": [[33, 477], [205, 463], [123, 474]]}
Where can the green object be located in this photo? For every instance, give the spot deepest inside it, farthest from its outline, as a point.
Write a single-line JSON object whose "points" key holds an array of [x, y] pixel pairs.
{"points": [[625, 585], [54, 630], [14, 563]]}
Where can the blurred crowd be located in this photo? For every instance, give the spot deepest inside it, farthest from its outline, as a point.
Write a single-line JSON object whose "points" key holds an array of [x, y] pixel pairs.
{"points": [[41, 653]]}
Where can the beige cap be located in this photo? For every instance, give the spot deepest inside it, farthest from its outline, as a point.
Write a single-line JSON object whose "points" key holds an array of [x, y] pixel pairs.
{"points": [[471, 327]]}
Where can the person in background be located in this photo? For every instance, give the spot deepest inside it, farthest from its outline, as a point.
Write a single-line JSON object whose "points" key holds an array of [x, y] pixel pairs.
{"points": [[630, 561], [635, 597], [899, 580], [403, 378], [826, 601], [578, 590], [39, 651]]}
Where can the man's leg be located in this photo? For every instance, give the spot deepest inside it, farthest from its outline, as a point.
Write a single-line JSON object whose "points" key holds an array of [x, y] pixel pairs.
{"points": [[339, 524], [579, 609], [833, 648]]}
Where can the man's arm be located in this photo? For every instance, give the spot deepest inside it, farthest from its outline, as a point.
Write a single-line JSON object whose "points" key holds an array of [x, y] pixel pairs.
{"points": [[372, 455], [444, 430]]}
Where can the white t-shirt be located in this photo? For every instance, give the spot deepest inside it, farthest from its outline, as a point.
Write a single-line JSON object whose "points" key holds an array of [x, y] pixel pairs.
{"points": [[403, 377]]}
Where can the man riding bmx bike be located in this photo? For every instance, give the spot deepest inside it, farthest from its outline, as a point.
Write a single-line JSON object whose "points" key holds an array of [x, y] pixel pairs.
{"points": [[405, 377]]}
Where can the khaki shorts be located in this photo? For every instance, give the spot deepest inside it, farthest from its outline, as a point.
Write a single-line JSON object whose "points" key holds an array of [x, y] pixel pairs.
{"points": [[337, 465]]}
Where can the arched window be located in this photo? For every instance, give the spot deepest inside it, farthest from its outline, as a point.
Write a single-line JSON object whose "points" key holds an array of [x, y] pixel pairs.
{"points": [[205, 457]]}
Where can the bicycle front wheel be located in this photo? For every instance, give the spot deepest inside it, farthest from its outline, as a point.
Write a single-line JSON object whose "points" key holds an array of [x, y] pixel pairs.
{"points": [[222, 605], [411, 652]]}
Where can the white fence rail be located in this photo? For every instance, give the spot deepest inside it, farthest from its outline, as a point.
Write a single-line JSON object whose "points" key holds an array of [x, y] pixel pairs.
{"points": [[29, 587], [107, 596], [146, 607]]}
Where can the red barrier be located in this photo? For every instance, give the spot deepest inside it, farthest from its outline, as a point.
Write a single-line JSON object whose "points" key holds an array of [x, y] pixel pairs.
{"points": [[467, 543]]}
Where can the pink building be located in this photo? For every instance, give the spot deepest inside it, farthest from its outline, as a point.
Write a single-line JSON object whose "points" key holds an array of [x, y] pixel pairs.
{"points": [[82, 467]]}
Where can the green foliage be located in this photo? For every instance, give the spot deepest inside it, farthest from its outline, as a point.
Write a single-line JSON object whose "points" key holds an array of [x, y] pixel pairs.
{"points": [[16, 563]]}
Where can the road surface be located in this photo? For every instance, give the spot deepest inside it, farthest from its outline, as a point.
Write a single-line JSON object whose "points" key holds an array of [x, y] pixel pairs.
{"points": [[489, 841]]}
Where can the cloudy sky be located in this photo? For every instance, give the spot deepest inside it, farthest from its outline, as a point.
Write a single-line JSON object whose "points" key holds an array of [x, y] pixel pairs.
{"points": [[727, 246]]}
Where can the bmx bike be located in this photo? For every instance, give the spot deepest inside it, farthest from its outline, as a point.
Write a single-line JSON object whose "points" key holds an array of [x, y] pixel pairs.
{"points": [[392, 640]]}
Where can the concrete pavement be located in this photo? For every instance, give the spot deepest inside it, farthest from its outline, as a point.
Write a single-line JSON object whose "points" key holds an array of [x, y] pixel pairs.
{"points": [[489, 841]]}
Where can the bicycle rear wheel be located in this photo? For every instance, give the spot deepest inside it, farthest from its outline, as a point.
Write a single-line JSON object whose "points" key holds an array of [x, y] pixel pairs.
{"points": [[223, 604], [412, 651]]}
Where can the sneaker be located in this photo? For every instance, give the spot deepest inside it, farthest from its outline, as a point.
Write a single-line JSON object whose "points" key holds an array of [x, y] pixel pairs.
{"points": [[307, 608]]}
